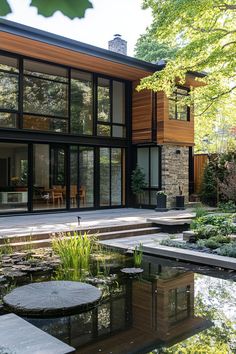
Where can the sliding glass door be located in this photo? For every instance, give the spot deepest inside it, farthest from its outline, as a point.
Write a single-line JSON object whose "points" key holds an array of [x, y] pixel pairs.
{"points": [[81, 177], [13, 177], [111, 167], [49, 177]]}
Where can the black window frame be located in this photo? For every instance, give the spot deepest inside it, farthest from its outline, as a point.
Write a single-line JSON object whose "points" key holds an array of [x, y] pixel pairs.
{"points": [[95, 75], [149, 189], [174, 98], [110, 124], [17, 74]]}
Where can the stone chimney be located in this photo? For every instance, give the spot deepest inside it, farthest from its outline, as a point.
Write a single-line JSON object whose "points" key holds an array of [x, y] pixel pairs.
{"points": [[118, 45]]}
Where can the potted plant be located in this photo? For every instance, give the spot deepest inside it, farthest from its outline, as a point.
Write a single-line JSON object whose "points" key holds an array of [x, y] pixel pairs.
{"points": [[180, 200], [138, 183], [161, 201]]}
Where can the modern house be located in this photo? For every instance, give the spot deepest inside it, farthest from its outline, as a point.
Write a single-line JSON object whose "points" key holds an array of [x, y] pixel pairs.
{"points": [[73, 126]]}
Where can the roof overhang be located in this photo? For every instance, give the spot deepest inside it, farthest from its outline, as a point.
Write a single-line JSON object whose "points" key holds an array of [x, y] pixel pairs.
{"points": [[31, 42]]}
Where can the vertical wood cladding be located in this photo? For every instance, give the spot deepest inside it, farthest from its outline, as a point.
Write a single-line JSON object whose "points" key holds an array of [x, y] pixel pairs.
{"points": [[141, 115], [169, 131]]}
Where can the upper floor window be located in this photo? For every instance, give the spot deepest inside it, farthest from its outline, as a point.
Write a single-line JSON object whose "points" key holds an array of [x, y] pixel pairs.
{"points": [[45, 97], [48, 97], [9, 91], [81, 107], [177, 107], [110, 108]]}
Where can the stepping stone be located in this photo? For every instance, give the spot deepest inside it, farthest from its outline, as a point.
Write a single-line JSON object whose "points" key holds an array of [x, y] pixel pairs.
{"points": [[131, 270], [20, 337], [52, 298]]}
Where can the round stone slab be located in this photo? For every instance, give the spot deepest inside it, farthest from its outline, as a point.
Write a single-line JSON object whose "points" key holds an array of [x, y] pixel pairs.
{"points": [[52, 298], [131, 270]]}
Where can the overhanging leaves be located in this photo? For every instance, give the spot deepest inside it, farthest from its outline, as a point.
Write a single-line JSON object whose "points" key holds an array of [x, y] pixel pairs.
{"points": [[70, 8], [4, 8]]}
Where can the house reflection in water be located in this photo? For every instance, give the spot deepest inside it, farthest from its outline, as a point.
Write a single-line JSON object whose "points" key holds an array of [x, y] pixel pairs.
{"points": [[139, 315]]}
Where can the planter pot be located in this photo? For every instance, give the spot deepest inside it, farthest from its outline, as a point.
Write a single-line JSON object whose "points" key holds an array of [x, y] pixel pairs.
{"points": [[161, 202], [180, 202]]}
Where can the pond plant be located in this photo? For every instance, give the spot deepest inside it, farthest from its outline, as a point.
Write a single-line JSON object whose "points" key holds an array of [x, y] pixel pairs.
{"points": [[74, 249], [138, 255]]}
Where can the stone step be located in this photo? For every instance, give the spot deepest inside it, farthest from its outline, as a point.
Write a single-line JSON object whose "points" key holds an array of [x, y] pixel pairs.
{"points": [[92, 230], [46, 242]]}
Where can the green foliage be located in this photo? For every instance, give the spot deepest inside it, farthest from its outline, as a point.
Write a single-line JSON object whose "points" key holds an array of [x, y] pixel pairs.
{"points": [[205, 37], [70, 8], [149, 49], [138, 182], [200, 211], [227, 250], [138, 255], [4, 8], [209, 185], [214, 242], [205, 32], [227, 207], [74, 250], [213, 225]]}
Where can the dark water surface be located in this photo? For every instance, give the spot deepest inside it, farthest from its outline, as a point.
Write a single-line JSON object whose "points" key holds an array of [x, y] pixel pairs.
{"points": [[171, 308]]}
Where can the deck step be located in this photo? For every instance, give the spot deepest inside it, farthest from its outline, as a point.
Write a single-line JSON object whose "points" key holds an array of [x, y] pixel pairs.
{"points": [[129, 233], [92, 230], [19, 243]]}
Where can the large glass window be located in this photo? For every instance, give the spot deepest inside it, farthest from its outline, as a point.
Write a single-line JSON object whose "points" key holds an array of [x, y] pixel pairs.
{"points": [[45, 97], [111, 176], [177, 107], [13, 177], [9, 91], [110, 122], [49, 177], [81, 103], [148, 161]]}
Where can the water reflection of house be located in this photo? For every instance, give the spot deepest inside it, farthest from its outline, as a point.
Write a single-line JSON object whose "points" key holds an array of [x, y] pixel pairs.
{"points": [[158, 312]]}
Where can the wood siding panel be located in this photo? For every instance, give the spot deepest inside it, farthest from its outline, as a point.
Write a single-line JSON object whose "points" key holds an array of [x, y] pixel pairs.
{"points": [[200, 161], [141, 115], [169, 131], [59, 55]]}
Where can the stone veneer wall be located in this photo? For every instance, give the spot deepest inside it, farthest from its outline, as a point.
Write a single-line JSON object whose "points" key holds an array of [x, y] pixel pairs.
{"points": [[175, 172]]}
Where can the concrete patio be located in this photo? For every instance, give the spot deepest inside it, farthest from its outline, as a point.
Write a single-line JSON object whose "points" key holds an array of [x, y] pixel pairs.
{"points": [[32, 224]]}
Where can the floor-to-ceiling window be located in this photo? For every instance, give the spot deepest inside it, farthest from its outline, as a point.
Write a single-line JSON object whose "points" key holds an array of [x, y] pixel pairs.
{"points": [[81, 177], [111, 176], [49, 177], [13, 177], [64, 116], [148, 159]]}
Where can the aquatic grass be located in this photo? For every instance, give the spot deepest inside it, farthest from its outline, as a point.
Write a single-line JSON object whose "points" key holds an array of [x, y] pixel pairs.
{"points": [[138, 255], [74, 249]]}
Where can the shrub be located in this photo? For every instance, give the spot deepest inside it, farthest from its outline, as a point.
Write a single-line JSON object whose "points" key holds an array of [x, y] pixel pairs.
{"points": [[228, 186], [214, 242], [227, 250], [138, 183], [207, 231], [227, 207], [209, 185]]}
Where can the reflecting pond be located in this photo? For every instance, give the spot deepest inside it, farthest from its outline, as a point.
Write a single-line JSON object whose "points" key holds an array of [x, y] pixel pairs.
{"points": [[172, 307]]}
